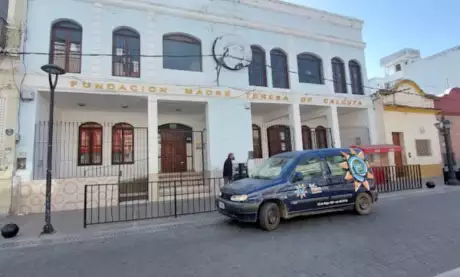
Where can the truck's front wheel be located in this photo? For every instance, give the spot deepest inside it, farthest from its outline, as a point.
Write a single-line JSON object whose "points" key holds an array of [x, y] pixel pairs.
{"points": [[269, 216]]}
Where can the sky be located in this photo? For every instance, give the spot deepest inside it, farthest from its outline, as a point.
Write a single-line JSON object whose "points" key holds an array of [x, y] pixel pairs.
{"points": [[391, 25]]}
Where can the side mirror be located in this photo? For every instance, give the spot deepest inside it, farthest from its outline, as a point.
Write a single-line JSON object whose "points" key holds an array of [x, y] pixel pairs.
{"points": [[297, 177]]}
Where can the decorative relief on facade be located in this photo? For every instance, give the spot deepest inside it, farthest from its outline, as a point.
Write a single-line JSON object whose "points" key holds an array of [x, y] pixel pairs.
{"points": [[67, 194]]}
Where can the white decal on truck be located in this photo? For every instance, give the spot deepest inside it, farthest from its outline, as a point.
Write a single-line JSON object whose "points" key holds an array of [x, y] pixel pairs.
{"points": [[333, 202]]}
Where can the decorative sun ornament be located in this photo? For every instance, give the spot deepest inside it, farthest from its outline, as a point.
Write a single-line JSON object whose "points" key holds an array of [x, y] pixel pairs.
{"points": [[301, 191], [358, 169]]}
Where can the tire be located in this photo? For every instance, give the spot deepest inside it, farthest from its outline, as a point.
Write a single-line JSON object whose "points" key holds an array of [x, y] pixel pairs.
{"points": [[430, 185], [363, 204], [269, 216], [10, 230]]}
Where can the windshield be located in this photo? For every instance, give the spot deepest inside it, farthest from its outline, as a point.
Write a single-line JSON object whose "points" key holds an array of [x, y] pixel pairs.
{"points": [[271, 168]]}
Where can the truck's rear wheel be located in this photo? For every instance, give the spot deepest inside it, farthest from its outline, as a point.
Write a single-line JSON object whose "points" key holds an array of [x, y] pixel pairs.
{"points": [[363, 204]]}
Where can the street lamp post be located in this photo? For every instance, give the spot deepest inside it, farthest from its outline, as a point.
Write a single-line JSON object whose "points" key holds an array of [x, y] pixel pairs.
{"points": [[52, 70], [443, 125]]}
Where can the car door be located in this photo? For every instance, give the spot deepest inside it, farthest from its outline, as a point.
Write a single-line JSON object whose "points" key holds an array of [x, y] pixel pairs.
{"points": [[341, 189], [309, 191]]}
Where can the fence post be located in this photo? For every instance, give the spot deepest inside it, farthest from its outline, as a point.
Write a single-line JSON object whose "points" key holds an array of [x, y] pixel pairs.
{"points": [[85, 198], [175, 199], [202, 155]]}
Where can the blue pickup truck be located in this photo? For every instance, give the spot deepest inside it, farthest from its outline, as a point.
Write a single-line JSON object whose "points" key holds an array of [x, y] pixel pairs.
{"points": [[301, 183]]}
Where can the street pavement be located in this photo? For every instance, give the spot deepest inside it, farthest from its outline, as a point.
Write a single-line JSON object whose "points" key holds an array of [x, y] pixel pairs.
{"points": [[405, 236]]}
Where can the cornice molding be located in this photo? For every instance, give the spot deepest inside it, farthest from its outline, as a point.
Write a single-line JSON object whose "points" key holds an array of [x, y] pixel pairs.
{"points": [[295, 9], [144, 5]]}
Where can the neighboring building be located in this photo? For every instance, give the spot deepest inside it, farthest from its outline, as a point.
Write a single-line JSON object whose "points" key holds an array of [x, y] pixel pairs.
{"points": [[449, 104], [408, 116], [434, 74], [12, 14], [174, 90]]}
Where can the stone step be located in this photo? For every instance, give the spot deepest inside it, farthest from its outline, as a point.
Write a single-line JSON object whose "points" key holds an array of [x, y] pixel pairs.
{"points": [[188, 190], [181, 183], [180, 175]]}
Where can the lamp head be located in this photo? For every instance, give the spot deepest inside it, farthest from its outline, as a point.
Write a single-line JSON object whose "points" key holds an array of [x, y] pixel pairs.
{"points": [[53, 69]]}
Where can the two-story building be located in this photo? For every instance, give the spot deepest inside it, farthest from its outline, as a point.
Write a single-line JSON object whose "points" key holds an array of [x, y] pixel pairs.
{"points": [[158, 90], [407, 116], [12, 14], [435, 73]]}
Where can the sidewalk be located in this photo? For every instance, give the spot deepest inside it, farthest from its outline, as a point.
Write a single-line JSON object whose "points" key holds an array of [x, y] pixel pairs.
{"points": [[69, 225]]}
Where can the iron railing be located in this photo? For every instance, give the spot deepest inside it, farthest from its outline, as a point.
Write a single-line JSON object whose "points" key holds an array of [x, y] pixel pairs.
{"points": [[67, 152], [109, 203], [397, 178]]}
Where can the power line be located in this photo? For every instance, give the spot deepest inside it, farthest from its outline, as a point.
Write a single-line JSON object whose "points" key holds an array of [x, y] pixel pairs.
{"points": [[170, 56]]}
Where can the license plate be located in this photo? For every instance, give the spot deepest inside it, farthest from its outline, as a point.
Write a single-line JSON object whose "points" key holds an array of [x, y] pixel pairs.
{"points": [[222, 205]]}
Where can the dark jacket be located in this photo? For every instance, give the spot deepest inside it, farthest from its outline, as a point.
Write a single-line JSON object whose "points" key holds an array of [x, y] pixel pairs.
{"points": [[228, 168]]}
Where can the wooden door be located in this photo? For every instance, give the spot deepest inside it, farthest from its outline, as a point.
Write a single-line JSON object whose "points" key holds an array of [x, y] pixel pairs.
{"points": [[306, 138], [398, 155], [173, 152], [279, 139]]}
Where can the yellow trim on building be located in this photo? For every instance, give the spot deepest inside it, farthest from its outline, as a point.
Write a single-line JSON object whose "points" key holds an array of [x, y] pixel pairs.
{"points": [[431, 170], [391, 108], [412, 84]]}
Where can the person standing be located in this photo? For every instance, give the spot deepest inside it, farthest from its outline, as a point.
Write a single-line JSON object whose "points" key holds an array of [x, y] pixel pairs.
{"points": [[228, 168]]}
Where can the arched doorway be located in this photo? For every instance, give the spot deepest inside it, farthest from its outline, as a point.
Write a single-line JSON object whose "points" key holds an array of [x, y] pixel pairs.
{"points": [[321, 137], [306, 138], [279, 139], [173, 139]]}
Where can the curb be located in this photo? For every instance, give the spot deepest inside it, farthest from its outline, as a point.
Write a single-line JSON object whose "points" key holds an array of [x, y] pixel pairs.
{"points": [[452, 273]]}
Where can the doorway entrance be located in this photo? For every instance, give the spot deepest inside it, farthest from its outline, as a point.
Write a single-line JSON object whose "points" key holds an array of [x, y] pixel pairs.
{"points": [[279, 139], [173, 139], [398, 155]]}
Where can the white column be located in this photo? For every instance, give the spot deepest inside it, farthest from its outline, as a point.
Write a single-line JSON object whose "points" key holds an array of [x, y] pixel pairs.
{"points": [[153, 145], [11, 12], [374, 135], [296, 127], [333, 123]]}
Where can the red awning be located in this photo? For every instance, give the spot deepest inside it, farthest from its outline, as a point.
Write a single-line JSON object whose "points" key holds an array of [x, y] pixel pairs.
{"points": [[378, 148]]}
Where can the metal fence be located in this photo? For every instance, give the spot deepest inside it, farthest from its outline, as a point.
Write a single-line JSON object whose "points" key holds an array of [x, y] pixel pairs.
{"points": [[105, 160], [103, 202], [397, 178], [316, 138]]}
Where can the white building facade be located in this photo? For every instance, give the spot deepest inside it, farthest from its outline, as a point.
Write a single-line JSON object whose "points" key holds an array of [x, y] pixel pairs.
{"points": [[12, 14], [166, 90], [435, 74]]}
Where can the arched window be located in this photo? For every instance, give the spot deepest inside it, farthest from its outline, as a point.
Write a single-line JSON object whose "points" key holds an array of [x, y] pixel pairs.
{"points": [[321, 137], [338, 75], [257, 141], [258, 68], [306, 138], [122, 143], [280, 72], [310, 69], [181, 52], [279, 139], [65, 45], [126, 59], [90, 144], [356, 78]]}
